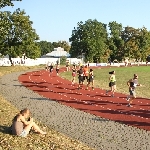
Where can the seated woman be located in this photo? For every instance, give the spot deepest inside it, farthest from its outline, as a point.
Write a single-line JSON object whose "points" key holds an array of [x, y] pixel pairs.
{"points": [[21, 127]]}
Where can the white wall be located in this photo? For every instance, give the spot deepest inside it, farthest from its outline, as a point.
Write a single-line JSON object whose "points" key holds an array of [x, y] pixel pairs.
{"points": [[39, 61]]}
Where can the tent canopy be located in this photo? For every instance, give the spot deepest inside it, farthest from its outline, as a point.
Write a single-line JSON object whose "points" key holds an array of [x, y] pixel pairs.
{"points": [[58, 52]]}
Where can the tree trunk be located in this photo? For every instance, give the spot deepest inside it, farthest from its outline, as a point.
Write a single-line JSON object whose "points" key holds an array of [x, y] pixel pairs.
{"points": [[10, 60]]}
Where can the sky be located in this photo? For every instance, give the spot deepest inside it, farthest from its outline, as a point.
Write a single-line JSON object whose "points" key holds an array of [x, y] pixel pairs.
{"points": [[54, 20]]}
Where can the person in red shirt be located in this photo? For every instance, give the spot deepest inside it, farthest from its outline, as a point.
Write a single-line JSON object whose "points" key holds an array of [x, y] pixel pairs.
{"points": [[85, 73]]}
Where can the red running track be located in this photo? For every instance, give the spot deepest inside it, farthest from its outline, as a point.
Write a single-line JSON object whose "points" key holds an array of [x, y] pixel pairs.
{"points": [[91, 101]]}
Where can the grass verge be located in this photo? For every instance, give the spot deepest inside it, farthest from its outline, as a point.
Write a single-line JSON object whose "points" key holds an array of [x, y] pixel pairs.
{"points": [[123, 74], [52, 141]]}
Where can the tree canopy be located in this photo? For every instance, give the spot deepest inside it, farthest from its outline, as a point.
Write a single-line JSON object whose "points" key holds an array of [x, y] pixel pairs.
{"points": [[99, 41], [4, 3], [17, 35]]}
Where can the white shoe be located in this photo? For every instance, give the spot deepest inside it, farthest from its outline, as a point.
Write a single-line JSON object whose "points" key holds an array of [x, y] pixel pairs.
{"points": [[128, 98]]}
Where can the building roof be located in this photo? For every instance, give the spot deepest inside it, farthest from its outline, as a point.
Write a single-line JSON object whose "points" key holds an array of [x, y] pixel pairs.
{"points": [[58, 52]]}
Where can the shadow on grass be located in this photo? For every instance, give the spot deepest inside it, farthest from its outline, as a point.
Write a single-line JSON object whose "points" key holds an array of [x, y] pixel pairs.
{"points": [[5, 129]]}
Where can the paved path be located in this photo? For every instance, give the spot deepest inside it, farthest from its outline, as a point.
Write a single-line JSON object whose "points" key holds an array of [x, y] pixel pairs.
{"points": [[95, 131]]}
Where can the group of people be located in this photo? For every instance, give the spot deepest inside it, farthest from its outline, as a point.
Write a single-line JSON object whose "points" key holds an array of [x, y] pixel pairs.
{"points": [[22, 123], [132, 84], [84, 74], [50, 66]]}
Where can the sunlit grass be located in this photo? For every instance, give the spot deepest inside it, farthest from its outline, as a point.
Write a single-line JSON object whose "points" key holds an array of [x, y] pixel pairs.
{"points": [[123, 74], [52, 141]]}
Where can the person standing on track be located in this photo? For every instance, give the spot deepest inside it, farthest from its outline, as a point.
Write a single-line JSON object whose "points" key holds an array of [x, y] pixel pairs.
{"points": [[112, 83], [80, 77], [74, 70], [57, 69], [132, 84], [91, 79]]}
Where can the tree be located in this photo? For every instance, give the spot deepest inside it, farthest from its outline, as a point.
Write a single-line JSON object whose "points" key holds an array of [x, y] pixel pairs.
{"points": [[144, 43], [65, 45], [90, 39], [45, 47], [4, 3], [116, 43], [17, 33]]}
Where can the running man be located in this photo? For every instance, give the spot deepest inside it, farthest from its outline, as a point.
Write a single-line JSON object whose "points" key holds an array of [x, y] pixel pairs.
{"points": [[51, 68], [132, 84], [74, 70], [67, 66], [80, 77], [91, 79], [57, 69], [86, 73], [112, 83]]}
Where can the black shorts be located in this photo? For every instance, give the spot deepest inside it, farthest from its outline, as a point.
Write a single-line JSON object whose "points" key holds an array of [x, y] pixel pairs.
{"points": [[57, 70], [85, 77], [112, 84], [51, 69], [132, 92], [90, 80], [81, 79]]}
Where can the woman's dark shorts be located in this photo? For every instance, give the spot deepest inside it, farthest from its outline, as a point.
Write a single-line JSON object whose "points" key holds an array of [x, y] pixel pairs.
{"points": [[112, 84]]}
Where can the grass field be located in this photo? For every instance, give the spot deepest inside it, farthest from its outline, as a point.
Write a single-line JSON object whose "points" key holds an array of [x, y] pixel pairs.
{"points": [[52, 141], [123, 74]]}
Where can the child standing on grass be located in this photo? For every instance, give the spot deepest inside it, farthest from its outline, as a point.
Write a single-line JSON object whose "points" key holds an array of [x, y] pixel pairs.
{"points": [[112, 83], [132, 84]]}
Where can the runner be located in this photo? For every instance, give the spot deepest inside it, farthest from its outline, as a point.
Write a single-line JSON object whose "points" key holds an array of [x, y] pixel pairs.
{"points": [[74, 70], [57, 69], [112, 83], [88, 64], [80, 77], [132, 83], [85, 73], [51, 68], [91, 79], [67, 66], [46, 67]]}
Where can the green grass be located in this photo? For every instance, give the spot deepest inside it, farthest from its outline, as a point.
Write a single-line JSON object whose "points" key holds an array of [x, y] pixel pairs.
{"points": [[52, 141], [123, 74]]}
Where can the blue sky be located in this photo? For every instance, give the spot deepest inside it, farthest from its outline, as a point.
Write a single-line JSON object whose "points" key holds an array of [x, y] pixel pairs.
{"points": [[55, 19]]}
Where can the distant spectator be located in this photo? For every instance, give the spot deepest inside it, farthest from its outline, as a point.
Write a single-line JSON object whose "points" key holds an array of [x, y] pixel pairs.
{"points": [[21, 126], [126, 62]]}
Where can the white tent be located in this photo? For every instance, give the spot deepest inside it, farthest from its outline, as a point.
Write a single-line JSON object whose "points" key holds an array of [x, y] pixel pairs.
{"points": [[58, 52]]}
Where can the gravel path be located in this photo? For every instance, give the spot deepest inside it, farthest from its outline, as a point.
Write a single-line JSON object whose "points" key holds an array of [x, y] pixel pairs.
{"points": [[96, 132]]}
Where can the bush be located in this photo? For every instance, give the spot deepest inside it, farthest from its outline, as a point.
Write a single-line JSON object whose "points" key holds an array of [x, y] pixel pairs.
{"points": [[63, 60]]}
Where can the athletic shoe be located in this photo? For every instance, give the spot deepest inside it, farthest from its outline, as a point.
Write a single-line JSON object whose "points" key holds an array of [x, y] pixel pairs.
{"points": [[92, 88], [128, 98], [129, 105], [106, 92], [112, 95]]}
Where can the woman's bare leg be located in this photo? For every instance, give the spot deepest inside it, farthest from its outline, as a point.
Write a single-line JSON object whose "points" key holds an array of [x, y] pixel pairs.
{"points": [[35, 127]]}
